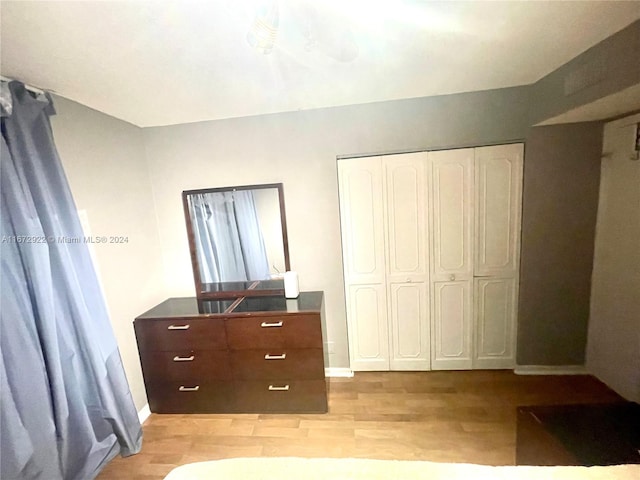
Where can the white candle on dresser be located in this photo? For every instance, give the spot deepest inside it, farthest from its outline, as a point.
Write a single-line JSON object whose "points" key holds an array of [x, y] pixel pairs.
{"points": [[291, 288]]}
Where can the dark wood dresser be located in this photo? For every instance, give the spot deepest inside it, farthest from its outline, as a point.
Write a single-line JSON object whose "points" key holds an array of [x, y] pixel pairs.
{"points": [[243, 355]]}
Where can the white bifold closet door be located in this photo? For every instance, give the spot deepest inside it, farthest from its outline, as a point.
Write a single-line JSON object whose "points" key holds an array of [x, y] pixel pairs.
{"points": [[498, 199], [431, 258], [452, 258], [383, 205], [407, 268], [363, 231], [475, 249]]}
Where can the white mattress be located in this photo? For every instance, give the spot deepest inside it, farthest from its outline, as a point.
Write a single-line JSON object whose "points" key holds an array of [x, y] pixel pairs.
{"points": [[362, 469]]}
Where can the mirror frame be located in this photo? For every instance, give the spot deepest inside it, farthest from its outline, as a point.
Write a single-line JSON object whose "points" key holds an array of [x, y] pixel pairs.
{"points": [[252, 290]]}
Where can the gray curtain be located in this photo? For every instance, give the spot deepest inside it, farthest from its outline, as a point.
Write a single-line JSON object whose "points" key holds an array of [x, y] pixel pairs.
{"points": [[229, 241], [66, 408]]}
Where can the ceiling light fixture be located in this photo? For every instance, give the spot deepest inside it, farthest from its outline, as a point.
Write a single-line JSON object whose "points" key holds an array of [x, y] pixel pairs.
{"points": [[264, 30]]}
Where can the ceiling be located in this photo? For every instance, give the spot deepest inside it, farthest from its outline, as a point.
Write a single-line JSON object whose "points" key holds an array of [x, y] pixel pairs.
{"points": [[170, 62]]}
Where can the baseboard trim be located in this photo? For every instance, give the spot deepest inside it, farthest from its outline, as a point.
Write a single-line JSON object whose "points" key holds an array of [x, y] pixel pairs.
{"points": [[338, 372], [144, 413], [550, 370]]}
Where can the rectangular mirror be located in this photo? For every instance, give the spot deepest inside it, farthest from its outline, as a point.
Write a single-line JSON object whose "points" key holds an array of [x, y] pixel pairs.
{"points": [[238, 240]]}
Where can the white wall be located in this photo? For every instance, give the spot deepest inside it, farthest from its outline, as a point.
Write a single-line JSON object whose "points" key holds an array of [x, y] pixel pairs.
{"points": [[559, 214], [613, 348], [105, 163]]}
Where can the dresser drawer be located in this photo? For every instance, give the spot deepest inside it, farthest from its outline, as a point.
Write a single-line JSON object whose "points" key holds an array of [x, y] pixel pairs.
{"points": [[181, 334], [282, 396], [186, 365], [298, 364], [274, 332], [191, 397]]}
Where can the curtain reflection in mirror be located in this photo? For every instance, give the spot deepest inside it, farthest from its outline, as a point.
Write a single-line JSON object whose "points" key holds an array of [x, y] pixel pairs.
{"points": [[228, 238]]}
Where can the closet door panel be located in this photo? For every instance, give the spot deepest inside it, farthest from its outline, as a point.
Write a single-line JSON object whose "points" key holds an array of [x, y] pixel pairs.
{"points": [[363, 247], [361, 212], [409, 326], [452, 189], [407, 261], [452, 326], [406, 209], [494, 329], [368, 330], [498, 188]]}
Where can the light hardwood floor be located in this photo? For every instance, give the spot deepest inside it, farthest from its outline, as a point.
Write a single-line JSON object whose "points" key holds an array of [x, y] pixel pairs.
{"points": [[467, 416]]}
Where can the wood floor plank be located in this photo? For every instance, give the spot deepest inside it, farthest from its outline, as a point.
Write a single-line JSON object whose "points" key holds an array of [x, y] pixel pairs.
{"points": [[286, 432], [329, 433], [215, 452]]}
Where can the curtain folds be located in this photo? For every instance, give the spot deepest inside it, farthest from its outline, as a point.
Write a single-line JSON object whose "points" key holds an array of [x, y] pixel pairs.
{"points": [[229, 242], [66, 408]]}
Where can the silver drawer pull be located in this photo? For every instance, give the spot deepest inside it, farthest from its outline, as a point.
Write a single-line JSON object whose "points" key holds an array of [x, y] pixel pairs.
{"points": [[273, 388], [183, 359], [178, 327], [273, 324], [189, 389], [275, 357]]}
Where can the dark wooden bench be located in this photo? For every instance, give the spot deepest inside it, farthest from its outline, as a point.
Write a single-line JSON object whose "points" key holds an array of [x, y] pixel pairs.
{"points": [[592, 434]]}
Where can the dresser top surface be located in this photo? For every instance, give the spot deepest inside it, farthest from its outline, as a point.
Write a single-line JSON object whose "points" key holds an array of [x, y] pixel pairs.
{"points": [[192, 307]]}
